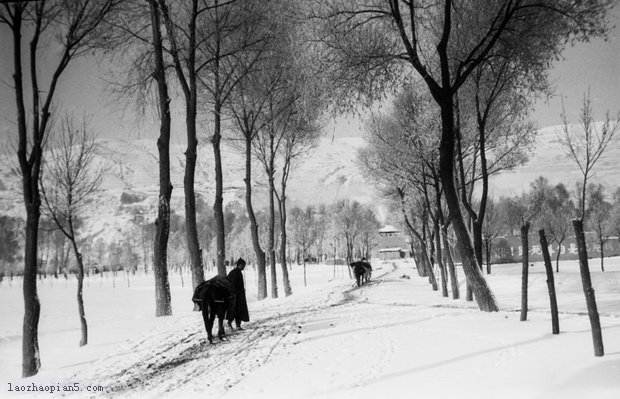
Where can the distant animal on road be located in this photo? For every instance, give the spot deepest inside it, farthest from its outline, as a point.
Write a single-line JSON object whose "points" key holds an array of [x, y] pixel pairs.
{"points": [[362, 271], [215, 297]]}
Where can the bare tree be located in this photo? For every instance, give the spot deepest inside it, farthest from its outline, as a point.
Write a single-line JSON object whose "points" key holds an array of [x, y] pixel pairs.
{"points": [[266, 149], [347, 220], [9, 244], [291, 110], [258, 104], [71, 178], [136, 34], [555, 218], [599, 212], [490, 230], [305, 230], [183, 51], [402, 159], [370, 226], [233, 33], [585, 148], [163, 305], [247, 107], [528, 207], [587, 144], [75, 24], [301, 133], [498, 99]]}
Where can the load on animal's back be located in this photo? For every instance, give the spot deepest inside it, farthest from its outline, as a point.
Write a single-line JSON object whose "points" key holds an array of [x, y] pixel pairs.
{"points": [[362, 271], [223, 297], [216, 297]]}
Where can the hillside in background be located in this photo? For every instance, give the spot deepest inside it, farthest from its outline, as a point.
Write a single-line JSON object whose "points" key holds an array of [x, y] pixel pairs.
{"points": [[549, 159], [130, 188], [324, 175]]}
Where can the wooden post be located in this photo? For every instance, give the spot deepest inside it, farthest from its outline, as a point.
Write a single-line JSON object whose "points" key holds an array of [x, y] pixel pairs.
{"points": [[555, 324], [588, 291], [525, 246]]}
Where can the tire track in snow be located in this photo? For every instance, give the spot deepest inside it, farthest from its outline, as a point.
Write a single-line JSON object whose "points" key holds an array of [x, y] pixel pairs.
{"points": [[187, 359], [176, 358]]}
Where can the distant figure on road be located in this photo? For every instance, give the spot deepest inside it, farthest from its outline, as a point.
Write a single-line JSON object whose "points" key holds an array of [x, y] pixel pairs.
{"points": [[362, 271], [236, 278]]}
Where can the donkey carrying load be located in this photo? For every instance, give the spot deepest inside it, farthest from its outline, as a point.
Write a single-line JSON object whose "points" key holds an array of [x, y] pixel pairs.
{"points": [[215, 297], [362, 271]]}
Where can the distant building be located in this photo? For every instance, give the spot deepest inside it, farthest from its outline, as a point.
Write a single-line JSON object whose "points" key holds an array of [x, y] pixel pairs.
{"points": [[392, 244], [508, 249]]}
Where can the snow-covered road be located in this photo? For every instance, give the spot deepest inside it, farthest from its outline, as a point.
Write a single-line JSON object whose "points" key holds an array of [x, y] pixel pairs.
{"points": [[392, 337]]}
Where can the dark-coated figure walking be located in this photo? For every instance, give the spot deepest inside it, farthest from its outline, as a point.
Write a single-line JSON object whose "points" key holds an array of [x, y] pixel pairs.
{"points": [[236, 278]]}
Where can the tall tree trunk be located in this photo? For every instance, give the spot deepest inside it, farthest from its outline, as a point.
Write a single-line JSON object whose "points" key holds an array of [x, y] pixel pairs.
{"points": [[30, 170], [588, 291], [420, 267], [191, 155], [80, 297], [285, 279], [349, 246], [454, 282], [469, 292], [602, 244], [487, 246], [442, 267], [429, 249], [305, 281], [31, 360], [193, 246], [483, 294], [189, 91], [271, 238], [160, 262], [553, 303], [525, 260], [258, 251], [557, 257], [436, 224], [427, 264], [477, 237], [479, 220], [218, 205]]}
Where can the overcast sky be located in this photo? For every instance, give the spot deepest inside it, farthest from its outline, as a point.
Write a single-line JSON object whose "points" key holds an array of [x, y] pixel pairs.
{"points": [[594, 66]]}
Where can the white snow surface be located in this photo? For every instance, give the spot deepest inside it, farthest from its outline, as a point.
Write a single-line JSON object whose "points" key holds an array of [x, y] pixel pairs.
{"points": [[394, 337]]}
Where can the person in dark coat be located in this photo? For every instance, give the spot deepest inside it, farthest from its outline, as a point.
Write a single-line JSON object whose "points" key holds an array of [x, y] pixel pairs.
{"points": [[236, 278]]}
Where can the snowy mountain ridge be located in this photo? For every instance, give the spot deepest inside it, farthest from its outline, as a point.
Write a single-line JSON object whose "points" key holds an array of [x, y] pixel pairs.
{"points": [[131, 181]]}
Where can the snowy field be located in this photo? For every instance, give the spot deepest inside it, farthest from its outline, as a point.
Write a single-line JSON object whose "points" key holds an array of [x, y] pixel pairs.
{"points": [[394, 337]]}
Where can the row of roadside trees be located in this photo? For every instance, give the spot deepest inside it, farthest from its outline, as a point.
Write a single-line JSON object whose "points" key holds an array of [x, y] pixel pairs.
{"points": [[415, 188], [555, 206], [231, 65]]}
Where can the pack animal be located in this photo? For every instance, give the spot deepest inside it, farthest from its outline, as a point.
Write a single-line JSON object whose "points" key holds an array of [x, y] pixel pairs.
{"points": [[362, 271], [215, 297]]}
